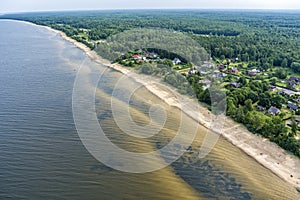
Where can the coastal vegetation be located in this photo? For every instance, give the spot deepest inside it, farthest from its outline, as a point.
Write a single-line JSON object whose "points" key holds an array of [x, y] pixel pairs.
{"points": [[254, 55]]}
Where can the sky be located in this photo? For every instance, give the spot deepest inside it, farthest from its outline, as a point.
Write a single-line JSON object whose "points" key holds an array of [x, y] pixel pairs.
{"points": [[54, 5]]}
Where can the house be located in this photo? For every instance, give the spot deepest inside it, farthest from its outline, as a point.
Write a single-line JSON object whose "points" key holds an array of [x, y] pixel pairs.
{"points": [[286, 92], [273, 111], [222, 67], [294, 79], [137, 57], [253, 72], [152, 55], [206, 82], [297, 99], [203, 73], [176, 61], [261, 108], [193, 71], [235, 84], [218, 74], [207, 64], [233, 70], [292, 107], [291, 84], [235, 60]]}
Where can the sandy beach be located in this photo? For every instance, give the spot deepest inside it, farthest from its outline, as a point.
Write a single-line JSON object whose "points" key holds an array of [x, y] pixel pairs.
{"points": [[266, 153]]}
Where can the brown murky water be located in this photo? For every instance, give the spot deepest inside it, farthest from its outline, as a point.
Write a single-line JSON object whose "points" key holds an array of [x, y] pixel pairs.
{"points": [[226, 173]]}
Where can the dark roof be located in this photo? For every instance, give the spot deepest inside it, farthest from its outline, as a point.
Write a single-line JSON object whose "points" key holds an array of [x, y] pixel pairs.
{"points": [[152, 54], [294, 79], [292, 106], [291, 83], [261, 108], [273, 110], [286, 92], [222, 67]]}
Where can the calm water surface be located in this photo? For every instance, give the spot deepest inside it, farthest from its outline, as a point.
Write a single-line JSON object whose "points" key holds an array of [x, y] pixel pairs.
{"points": [[42, 157]]}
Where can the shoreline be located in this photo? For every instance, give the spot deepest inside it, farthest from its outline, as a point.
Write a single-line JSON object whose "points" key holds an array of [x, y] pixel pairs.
{"points": [[266, 153]]}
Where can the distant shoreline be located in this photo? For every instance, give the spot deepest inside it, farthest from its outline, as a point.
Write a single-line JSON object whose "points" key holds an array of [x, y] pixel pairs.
{"points": [[165, 9], [266, 153]]}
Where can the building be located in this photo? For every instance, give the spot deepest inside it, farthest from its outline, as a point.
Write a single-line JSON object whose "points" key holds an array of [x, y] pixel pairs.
{"points": [[193, 71], [274, 111], [202, 73], [286, 92], [137, 57], [294, 79], [207, 64], [235, 60], [176, 61], [206, 82], [233, 70], [297, 99], [292, 107], [152, 55], [235, 84], [218, 74], [261, 108], [253, 72], [222, 67], [291, 84]]}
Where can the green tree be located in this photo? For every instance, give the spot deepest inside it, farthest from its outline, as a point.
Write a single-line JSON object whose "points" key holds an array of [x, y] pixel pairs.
{"points": [[243, 81], [231, 108], [277, 101], [273, 80], [249, 105], [295, 66], [284, 63], [294, 128], [281, 74]]}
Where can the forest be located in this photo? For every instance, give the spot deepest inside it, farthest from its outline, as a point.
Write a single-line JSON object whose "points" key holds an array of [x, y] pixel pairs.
{"points": [[266, 41], [262, 38]]}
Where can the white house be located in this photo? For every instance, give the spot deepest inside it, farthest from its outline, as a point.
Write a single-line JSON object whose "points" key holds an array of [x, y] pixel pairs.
{"points": [[176, 61]]}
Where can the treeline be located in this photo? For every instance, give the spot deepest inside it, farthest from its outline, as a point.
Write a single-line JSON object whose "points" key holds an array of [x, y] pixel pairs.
{"points": [[261, 49], [273, 41], [212, 32]]}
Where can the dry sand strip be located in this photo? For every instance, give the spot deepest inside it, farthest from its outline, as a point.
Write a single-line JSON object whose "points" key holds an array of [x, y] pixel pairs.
{"points": [[266, 153]]}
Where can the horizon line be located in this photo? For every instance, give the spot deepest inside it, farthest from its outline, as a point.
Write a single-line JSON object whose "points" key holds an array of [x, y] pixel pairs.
{"points": [[153, 9]]}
